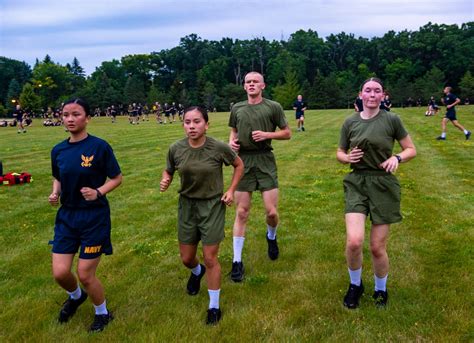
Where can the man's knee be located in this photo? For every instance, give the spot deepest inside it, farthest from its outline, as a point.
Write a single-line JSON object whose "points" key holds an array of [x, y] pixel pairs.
{"points": [[272, 214], [377, 249], [189, 260], [243, 212], [211, 261], [354, 244]]}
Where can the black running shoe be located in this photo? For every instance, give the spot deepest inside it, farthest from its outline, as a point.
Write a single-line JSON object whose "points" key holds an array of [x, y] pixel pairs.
{"points": [[352, 297], [468, 135], [213, 316], [380, 298], [194, 282], [302, 128], [440, 138], [273, 250], [70, 307], [100, 322], [237, 273]]}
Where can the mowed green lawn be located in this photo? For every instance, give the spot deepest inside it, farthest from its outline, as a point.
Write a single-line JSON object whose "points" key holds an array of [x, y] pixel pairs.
{"points": [[296, 298]]}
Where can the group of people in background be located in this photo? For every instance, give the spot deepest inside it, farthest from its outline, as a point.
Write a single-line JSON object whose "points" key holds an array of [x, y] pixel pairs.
{"points": [[168, 113], [21, 119], [136, 112]]}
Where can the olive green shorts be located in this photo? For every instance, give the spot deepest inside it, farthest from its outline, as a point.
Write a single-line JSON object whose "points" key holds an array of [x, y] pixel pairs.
{"points": [[373, 193], [260, 172], [201, 220]]}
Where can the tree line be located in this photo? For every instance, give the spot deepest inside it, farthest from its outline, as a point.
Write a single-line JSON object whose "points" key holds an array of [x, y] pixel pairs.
{"points": [[328, 72]]}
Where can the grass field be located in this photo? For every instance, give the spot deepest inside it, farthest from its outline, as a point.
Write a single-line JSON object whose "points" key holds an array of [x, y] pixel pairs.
{"points": [[296, 298]]}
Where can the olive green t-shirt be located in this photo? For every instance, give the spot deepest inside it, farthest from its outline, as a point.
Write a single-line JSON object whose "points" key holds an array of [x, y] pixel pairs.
{"points": [[265, 116], [200, 169], [374, 136]]}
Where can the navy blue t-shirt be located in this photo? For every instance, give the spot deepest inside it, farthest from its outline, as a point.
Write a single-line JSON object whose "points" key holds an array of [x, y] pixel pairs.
{"points": [[448, 100], [86, 163], [18, 114], [384, 105], [299, 106]]}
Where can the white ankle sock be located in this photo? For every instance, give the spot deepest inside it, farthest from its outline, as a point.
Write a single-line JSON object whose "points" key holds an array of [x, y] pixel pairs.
{"points": [[380, 283], [238, 243], [101, 309], [196, 270], [75, 294], [271, 232], [355, 276], [214, 297]]}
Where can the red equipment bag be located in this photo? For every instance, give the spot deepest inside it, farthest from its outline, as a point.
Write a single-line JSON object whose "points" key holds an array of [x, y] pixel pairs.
{"points": [[11, 179]]}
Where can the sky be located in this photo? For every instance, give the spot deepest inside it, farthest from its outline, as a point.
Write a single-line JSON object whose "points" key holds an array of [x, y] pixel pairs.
{"points": [[94, 31]]}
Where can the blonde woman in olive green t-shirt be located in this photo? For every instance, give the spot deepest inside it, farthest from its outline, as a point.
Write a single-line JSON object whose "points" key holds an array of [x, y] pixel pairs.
{"points": [[366, 143]]}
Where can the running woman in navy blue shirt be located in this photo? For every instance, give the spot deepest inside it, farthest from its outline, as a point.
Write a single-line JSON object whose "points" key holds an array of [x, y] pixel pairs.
{"points": [[84, 170], [451, 100]]}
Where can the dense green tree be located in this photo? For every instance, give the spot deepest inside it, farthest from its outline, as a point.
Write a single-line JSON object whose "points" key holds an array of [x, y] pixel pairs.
{"points": [[155, 95], [13, 94], [77, 75], [3, 111], [312, 50], [231, 93], [134, 91], [430, 84], [29, 99], [11, 69], [325, 92], [401, 90], [286, 93], [467, 86], [362, 74], [283, 63], [76, 68], [47, 59], [399, 67], [348, 88], [213, 72], [208, 95], [52, 81]]}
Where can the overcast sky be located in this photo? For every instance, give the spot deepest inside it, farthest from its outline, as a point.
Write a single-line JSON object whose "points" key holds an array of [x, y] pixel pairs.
{"points": [[101, 30]]}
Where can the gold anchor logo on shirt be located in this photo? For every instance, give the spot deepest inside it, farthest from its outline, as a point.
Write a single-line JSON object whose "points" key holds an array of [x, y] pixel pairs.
{"points": [[86, 161]]}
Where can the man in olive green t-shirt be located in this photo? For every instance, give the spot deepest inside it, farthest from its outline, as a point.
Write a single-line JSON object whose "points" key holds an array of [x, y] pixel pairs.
{"points": [[254, 124]]}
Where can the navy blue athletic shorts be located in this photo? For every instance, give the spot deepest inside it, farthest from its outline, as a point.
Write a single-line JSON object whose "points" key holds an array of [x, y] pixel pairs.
{"points": [[87, 229], [451, 115]]}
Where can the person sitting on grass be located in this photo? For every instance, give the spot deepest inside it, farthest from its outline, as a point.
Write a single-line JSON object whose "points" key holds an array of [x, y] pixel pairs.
{"points": [[432, 107]]}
